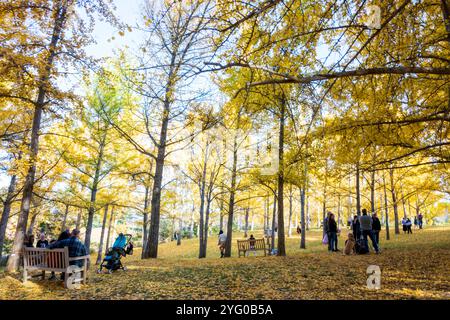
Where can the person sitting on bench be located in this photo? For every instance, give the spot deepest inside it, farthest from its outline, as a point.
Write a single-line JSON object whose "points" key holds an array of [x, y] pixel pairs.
{"points": [[76, 247], [252, 242]]}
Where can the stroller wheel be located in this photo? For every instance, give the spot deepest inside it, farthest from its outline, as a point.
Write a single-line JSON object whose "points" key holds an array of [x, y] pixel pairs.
{"points": [[124, 268], [99, 270], [110, 271]]}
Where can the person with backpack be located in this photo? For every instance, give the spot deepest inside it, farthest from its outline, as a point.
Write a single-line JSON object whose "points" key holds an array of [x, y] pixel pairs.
{"points": [[365, 222]]}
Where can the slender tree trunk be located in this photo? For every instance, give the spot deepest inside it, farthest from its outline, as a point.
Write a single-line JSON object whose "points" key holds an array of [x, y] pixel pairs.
{"points": [[386, 210], [308, 216], [66, 213], [78, 223], [302, 219], [232, 193], [202, 226], [108, 237], [281, 240], [394, 201], [145, 223], [32, 223], [7, 210], [102, 235], [290, 212], [274, 212], [372, 191], [358, 191], [59, 20], [247, 213], [403, 201]]}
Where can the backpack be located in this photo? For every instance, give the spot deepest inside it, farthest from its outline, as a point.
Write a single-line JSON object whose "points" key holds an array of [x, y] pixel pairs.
{"points": [[360, 248]]}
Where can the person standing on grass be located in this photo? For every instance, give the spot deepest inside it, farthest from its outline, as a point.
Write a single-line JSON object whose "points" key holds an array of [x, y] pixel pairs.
{"points": [[356, 228], [408, 226], [326, 231], [221, 243], [405, 227], [365, 222], [376, 228], [332, 234], [420, 220]]}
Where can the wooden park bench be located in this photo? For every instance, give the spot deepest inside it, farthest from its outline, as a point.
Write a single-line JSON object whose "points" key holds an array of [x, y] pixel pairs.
{"points": [[258, 244], [56, 260]]}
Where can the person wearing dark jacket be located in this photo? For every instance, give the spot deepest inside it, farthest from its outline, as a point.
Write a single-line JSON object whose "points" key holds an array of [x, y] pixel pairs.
{"points": [[356, 228], [376, 228], [332, 234]]}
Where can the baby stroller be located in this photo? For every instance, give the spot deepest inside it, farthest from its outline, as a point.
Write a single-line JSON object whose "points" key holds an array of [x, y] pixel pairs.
{"points": [[121, 247]]}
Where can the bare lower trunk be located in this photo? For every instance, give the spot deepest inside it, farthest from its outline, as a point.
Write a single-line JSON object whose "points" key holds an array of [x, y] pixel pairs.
{"points": [[145, 223], [386, 210], [281, 240], [247, 211], [153, 239], [302, 219], [394, 201], [6, 211], [290, 213], [64, 221], [102, 235], [372, 191], [109, 229], [358, 191], [274, 212], [78, 223]]}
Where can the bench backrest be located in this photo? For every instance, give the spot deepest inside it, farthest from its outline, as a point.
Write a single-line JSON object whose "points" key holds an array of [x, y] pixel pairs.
{"points": [[258, 244], [46, 259]]}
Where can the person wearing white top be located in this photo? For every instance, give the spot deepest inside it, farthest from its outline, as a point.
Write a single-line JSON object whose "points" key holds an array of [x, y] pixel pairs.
{"points": [[222, 242]]}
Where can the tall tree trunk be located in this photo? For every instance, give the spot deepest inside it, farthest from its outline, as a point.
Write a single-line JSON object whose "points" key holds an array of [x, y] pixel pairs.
{"points": [[274, 212], [386, 210], [290, 212], [102, 235], [202, 226], [232, 192], [247, 212], [394, 201], [78, 223], [403, 201], [145, 222], [302, 219], [58, 24], [66, 213], [7, 210], [308, 216], [32, 223], [108, 237], [281, 240], [358, 191], [372, 191]]}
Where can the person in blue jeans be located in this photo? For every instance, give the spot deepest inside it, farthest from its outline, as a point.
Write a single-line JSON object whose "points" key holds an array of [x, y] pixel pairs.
{"points": [[332, 234], [365, 223]]}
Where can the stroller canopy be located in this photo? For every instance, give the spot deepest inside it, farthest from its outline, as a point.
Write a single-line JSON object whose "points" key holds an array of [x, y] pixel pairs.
{"points": [[120, 242]]}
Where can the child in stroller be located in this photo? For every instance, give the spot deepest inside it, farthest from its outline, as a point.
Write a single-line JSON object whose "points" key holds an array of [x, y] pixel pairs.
{"points": [[121, 247]]}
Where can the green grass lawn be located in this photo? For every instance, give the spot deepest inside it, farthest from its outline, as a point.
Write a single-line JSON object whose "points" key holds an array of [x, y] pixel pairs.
{"points": [[413, 267]]}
